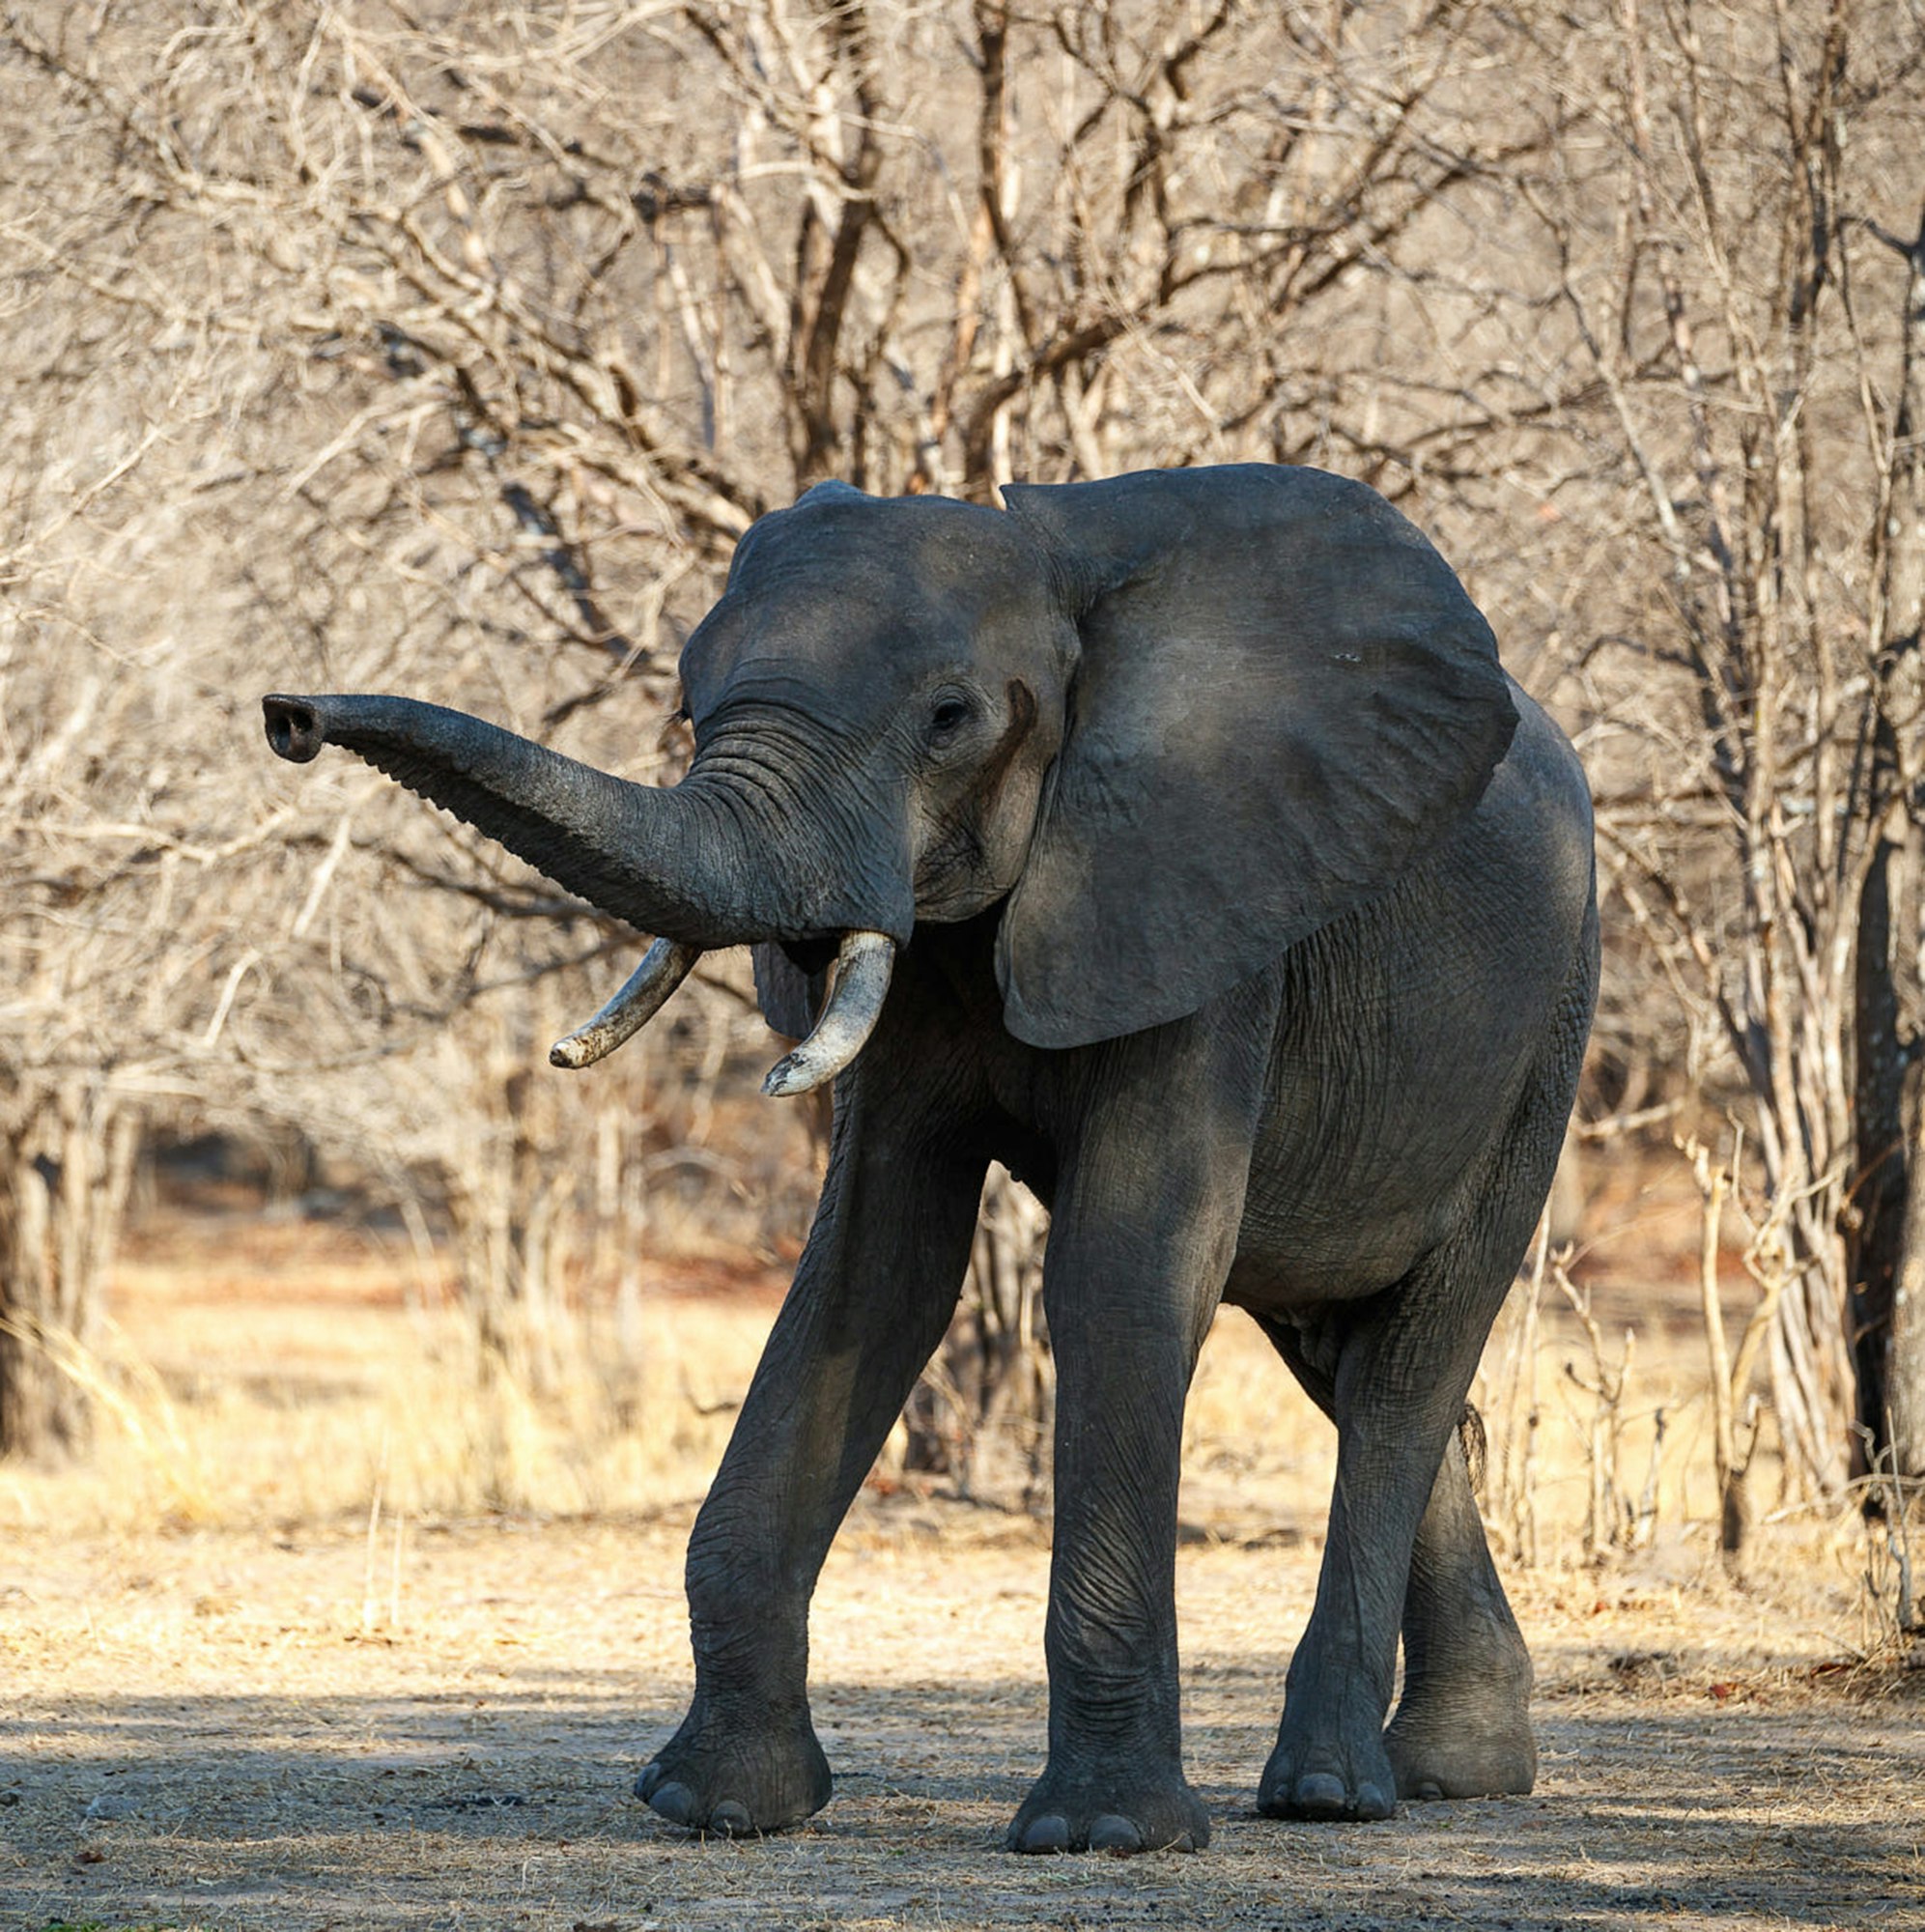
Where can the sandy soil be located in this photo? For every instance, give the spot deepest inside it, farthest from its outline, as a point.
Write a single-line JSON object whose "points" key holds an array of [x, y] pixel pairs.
{"points": [[224, 1728], [328, 1634]]}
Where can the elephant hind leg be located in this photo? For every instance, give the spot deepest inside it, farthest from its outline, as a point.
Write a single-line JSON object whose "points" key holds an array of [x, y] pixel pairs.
{"points": [[1406, 1554], [1462, 1725], [1462, 1728]]}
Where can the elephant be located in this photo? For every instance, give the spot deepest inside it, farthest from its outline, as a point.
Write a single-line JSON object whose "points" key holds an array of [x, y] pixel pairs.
{"points": [[1178, 839]]}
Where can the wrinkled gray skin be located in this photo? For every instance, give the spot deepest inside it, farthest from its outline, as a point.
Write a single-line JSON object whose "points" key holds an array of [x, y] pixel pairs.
{"points": [[1245, 910]]}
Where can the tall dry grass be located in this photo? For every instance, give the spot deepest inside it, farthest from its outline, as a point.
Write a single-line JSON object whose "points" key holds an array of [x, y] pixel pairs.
{"points": [[294, 1409], [289, 1381]]}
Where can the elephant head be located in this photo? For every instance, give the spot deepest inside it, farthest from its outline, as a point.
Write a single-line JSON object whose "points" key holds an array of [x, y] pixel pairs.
{"points": [[1173, 722]]}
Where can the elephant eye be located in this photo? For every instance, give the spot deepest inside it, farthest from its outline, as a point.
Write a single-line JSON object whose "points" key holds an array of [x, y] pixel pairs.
{"points": [[947, 716]]}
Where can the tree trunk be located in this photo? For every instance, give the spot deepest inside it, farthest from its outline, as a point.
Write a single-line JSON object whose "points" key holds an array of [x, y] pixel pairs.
{"points": [[1880, 1221], [1891, 1337], [66, 1162], [1901, 1359]]}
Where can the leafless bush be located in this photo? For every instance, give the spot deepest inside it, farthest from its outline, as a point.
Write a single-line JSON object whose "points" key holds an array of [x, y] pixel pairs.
{"points": [[448, 349], [1614, 1519], [1736, 1408], [1509, 1401], [373, 346]]}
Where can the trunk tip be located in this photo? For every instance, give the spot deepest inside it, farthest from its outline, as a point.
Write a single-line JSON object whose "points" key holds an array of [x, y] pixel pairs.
{"points": [[294, 729]]}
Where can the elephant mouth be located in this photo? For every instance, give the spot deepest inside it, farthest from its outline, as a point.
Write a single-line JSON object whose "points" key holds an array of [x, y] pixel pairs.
{"points": [[865, 961]]}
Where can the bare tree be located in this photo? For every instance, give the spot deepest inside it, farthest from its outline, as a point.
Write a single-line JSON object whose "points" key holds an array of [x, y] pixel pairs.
{"points": [[1713, 257], [175, 942], [458, 349], [415, 345]]}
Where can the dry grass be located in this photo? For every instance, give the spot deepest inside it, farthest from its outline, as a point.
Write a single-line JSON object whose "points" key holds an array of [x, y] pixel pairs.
{"points": [[339, 1631], [289, 1381]]}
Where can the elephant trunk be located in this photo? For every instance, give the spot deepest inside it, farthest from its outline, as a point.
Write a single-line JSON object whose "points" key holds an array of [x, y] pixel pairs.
{"points": [[671, 861], [702, 864]]}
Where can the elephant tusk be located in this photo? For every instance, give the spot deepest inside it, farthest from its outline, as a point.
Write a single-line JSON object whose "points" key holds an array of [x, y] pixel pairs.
{"points": [[863, 963], [664, 967]]}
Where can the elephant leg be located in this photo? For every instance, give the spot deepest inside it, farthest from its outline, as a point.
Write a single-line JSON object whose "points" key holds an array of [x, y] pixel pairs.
{"points": [[1144, 1230], [1400, 1381], [873, 1295], [1462, 1728], [1402, 1369]]}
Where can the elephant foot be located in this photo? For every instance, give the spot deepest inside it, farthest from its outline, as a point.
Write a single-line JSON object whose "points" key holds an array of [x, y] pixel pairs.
{"points": [[1474, 1743], [738, 1788], [1122, 1813], [1320, 1778]]}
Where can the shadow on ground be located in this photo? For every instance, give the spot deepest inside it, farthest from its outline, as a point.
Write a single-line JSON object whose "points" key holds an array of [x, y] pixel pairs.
{"points": [[443, 1809]]}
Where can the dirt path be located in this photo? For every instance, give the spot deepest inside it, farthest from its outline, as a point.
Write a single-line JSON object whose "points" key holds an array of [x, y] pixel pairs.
{"points": [[256, 1746]]}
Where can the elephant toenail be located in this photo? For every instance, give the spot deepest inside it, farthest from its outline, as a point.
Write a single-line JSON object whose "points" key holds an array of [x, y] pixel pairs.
{"points": [[1321, 1794], [648, 1777], [674, 1802], [1114, 1833], [1373, 1803], [1429, 1793], [1048, 1833], [730, 1819]]}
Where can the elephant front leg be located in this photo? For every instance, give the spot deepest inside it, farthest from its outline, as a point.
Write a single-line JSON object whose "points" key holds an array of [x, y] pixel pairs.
{"points": [[1114, 1778], [871, 1297], [1141, 1241]]}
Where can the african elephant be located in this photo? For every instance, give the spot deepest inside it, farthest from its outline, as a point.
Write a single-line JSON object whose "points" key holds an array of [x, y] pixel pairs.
{"points": [[1183, 846]]}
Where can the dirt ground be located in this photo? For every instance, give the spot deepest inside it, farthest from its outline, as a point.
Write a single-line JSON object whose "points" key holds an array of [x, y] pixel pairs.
{"points": [[228, 1698], [201, 1730]]}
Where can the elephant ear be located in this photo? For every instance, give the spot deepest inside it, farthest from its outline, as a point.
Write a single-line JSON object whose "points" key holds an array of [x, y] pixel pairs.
{"points": [[1285, 698]]}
